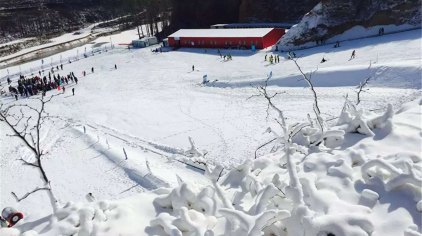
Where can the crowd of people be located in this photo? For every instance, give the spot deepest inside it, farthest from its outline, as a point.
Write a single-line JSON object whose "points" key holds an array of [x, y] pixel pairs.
{"points": [[33, 85]]}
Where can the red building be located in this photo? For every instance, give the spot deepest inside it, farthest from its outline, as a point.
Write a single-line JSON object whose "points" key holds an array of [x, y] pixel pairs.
{"points": [[258, 38]]}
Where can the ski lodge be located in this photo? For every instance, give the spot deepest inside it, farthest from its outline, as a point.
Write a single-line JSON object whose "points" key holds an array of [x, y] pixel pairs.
{"points": [[240, 38]]}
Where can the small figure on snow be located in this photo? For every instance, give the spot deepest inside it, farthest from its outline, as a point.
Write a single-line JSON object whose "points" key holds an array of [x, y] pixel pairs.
{"points": [[337, 45], [92, 69], [193, 67], [90, 197], [323, 60], [115, 66], [381, 31], [353, 55], [73, 91], [205, 79], [64, 89]]}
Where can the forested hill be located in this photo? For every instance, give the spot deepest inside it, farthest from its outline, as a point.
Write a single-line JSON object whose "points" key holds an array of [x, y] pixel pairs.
{"points": [[32, 18], [202, 13]]}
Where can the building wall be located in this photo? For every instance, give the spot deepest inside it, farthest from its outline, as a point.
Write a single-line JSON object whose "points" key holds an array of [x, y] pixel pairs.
{"points": [[272, 37], [205, 42], [230, 42]]}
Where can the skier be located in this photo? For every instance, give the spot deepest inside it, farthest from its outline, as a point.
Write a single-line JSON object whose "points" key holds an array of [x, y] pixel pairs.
{"points": [[115, 66], [353, 55], [92, 69], [193, 67], [61, 66], [76, 79], [323, 60], [64, 89], [84, 73], [9, 81], [265, 59], [73, 91]]}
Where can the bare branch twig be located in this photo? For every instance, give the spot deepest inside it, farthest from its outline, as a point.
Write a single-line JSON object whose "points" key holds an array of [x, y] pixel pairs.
{"points": [[18, 199]]}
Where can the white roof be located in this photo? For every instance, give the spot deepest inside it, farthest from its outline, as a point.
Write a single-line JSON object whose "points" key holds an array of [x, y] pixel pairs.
{"points": [[221, 33]]}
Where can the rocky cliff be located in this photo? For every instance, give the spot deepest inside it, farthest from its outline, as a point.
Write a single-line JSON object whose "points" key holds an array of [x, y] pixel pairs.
{"points": [[333, 17], [274, 10]]}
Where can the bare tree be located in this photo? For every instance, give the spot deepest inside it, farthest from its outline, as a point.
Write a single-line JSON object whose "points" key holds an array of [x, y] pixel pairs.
{"points": [[26, 122], [289, 132], [361, 88], [307, 78]]}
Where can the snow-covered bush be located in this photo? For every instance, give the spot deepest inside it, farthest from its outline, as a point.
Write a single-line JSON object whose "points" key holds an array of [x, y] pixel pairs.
{"points": [[352, 120]]}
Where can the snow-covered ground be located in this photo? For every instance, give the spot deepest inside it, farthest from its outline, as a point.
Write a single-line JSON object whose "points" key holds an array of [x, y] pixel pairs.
{"points": [[154, 102]]}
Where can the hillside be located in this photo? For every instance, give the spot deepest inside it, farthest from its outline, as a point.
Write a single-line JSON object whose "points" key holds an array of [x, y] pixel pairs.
{"points": [[124, 138], [35, 18], [331, 18]]}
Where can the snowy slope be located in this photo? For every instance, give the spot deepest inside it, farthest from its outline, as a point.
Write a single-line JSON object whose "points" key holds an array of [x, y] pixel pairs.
{"points": [[345, 201], [153, 102]]}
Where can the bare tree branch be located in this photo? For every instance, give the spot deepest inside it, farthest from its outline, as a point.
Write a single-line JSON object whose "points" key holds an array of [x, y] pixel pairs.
{"points": [[308, 80], [25, 122], [361, 87], [28, 163], [263, 145], [18, 199]]}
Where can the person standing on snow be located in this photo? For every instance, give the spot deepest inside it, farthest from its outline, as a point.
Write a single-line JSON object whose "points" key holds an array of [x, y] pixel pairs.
{"points": [[115, 66], [73, 91], [193, 67], [92, 69], [353, 55]]}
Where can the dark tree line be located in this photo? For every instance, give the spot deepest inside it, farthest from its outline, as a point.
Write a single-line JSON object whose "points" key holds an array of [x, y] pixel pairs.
{"points": [[203, 13]]}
